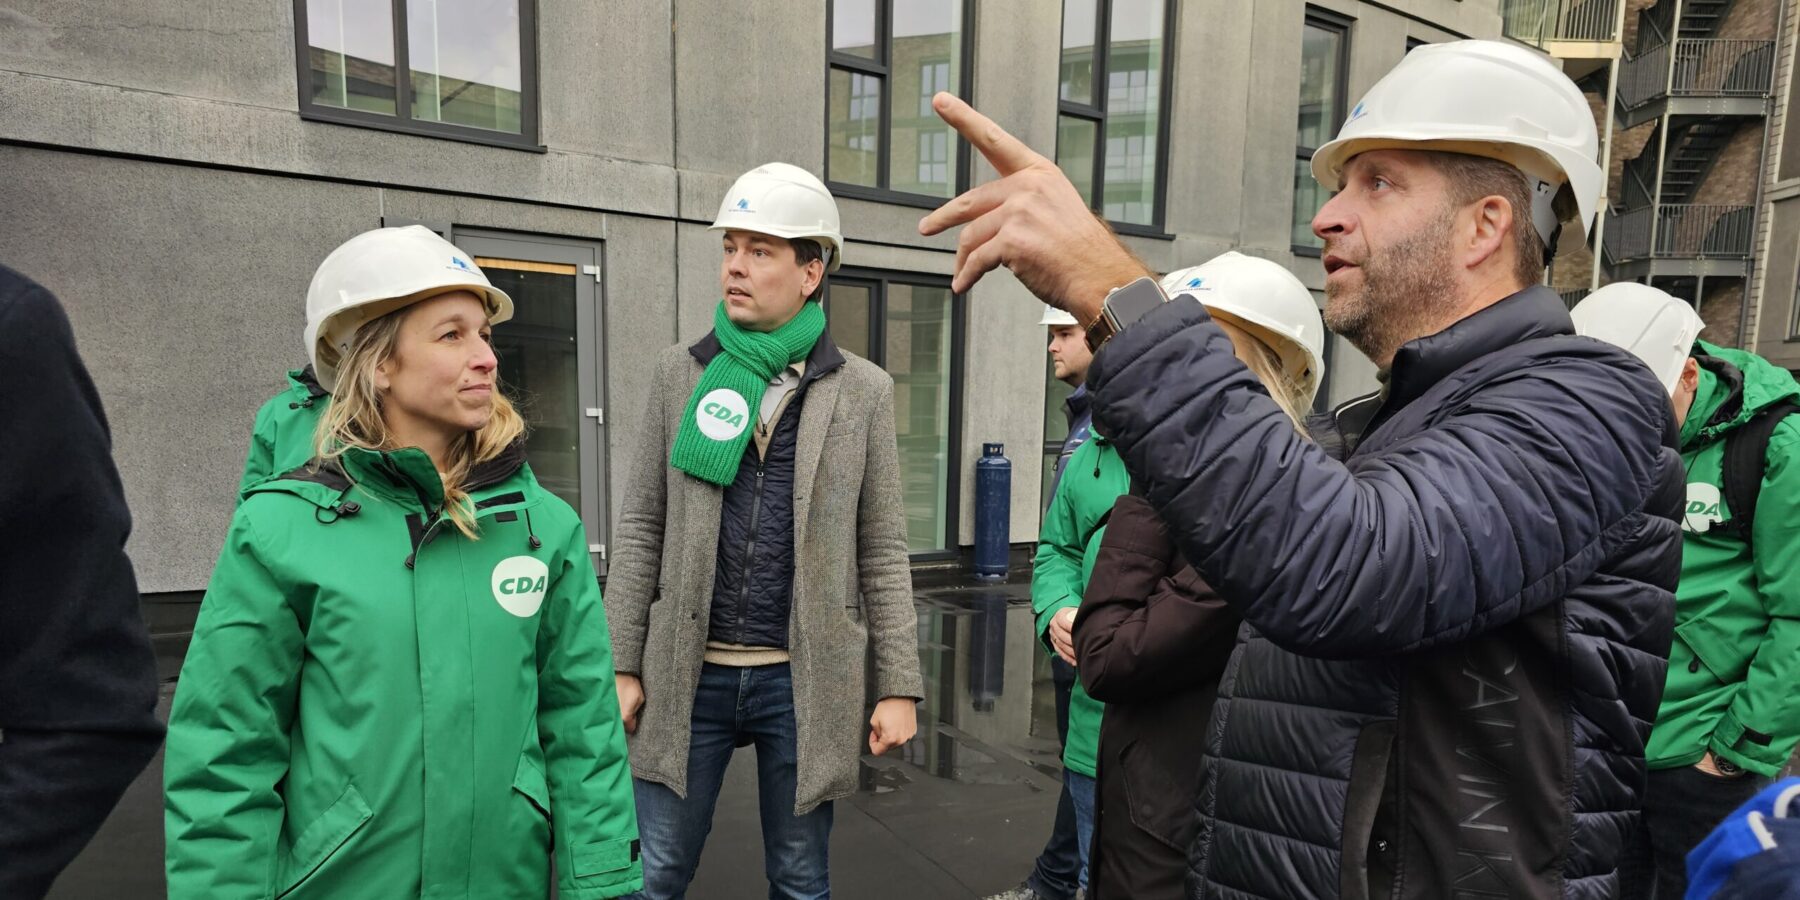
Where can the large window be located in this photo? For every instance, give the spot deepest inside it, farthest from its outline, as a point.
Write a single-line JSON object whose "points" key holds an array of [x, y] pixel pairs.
{"points": [[887, 59], [464, 69], [911, 326], [1324, 61], [1112, 111]]}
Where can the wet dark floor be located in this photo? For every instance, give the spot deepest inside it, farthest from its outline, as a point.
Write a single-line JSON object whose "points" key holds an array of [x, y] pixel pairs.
{"points": [[960, 812]]}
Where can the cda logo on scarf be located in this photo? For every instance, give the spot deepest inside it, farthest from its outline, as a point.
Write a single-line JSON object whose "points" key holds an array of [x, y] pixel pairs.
{"points": [[519, 583], [722, 414]]}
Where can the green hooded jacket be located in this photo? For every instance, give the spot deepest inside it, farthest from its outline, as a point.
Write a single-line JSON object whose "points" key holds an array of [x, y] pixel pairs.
{"points": [[282, 439], [1734, 669], [1068, 543], [375, 706]]}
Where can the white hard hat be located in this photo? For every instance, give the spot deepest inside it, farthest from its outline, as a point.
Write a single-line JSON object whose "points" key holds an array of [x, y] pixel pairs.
{"points": [[1264, 298], [1656, 327], [1054, 316], [784, 201], [377, 272], [1482, 98]]}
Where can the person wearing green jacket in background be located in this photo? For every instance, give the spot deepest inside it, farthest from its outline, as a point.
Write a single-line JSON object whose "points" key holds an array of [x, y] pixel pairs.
{"points": [[1091, 483], [282, 438], [1730, 713], [401, 683]]}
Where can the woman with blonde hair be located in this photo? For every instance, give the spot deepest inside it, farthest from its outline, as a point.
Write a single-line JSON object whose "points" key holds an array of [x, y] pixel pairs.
{"points": [[400, 683], [1151, 639]]}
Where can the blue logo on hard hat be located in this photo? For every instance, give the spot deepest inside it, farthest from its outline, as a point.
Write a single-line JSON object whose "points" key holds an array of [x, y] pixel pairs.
{"points": [[1196, 282], [462, 264], [1357, 113], [744, 203]]}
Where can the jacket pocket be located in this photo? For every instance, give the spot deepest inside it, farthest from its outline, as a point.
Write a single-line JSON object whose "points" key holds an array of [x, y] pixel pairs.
{"points": [[1362, 806], [323, 837], [529, 780], [1158, 806], [1726, 655]]}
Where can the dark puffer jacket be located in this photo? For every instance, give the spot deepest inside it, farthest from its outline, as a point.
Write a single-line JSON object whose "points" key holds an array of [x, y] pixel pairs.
{"points": [[1456, 638], [753, 585]]}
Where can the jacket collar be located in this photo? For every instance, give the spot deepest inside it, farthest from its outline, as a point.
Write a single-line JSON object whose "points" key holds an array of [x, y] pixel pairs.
{"points": [[1536, 312], [824, 358], [407, 474], [306, 380], [1078, 404]]}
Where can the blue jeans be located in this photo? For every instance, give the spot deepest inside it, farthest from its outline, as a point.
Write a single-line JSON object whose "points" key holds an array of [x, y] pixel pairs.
{"points": [[735, 707], [1081, 791], [1059, 868]]}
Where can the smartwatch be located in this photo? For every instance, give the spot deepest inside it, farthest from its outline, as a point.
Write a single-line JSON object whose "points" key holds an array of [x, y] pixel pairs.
{"points": [[1123, 306]]}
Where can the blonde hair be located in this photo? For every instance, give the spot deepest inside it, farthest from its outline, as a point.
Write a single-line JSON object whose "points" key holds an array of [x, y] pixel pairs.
{"points": [[1263, 362], [354, 419]]}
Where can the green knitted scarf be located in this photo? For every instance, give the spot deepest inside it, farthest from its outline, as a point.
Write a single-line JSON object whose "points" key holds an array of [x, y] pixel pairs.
{"points": [[727, 401]]}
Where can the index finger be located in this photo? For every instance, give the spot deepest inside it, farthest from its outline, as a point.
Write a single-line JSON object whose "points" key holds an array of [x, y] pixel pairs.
{"points": [[1008, 154]]}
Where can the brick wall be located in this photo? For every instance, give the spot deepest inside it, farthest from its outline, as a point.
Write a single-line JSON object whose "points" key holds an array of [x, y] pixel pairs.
{"points": [[1721, 309], [1734, 178]]}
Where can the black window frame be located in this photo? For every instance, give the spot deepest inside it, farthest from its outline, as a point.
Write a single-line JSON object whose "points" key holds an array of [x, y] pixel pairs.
{"points": [[402, 121], [881, 68], [1096, 112], [877, 281], [1329, 21]]}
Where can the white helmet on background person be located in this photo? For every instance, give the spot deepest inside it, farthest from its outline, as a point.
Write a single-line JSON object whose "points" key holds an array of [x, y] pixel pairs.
{"points": [[1482, 98], [1265, 299], [783, 201], [1656, 327], [1054, 316], [377, 272]]}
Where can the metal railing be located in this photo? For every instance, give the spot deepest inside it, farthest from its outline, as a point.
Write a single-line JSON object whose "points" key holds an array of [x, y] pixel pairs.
{"points": [[1681, 231], [1570, 298], [1635, 190], [1538, 22], [1698, 68]]}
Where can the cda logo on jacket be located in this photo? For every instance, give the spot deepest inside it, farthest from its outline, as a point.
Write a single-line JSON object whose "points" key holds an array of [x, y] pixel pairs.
{"points": [[1702, 508], [519, 584], [722, 414]]}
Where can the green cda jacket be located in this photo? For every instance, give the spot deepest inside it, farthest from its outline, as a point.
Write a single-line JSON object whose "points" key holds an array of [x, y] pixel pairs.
{"points": [[282, 439], [375, 706], [1068, 543], [1734, 669]]}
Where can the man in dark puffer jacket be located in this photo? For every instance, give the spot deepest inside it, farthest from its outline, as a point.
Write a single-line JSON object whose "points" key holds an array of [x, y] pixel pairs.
{"points": [[1456, 635]]}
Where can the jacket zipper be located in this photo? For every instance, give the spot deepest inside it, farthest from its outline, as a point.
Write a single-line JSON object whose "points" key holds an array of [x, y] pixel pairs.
{"points": [[433, 517], [749, 552]]}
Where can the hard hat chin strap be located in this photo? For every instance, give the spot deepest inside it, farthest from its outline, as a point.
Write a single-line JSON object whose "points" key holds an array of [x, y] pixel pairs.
{"points": [[1543, 212]]}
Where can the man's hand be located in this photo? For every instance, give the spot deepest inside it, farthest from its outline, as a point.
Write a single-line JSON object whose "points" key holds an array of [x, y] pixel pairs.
{"points": [[1031, 221], [631, 700], [893, 724], [1062, 634]]}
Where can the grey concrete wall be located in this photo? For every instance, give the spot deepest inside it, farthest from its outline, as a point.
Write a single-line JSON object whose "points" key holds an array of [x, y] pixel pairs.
{"points": [[161, 180]]}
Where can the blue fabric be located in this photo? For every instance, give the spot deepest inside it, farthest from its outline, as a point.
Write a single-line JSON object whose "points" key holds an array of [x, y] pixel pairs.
{"points": [[1057, 873], [1517, 493], [737, 706], [1733, 860], [1079, 410], [1081, 793]]}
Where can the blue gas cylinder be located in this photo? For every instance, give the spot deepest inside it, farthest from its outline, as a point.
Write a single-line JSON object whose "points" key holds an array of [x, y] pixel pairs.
{"points": [[993, 511]]}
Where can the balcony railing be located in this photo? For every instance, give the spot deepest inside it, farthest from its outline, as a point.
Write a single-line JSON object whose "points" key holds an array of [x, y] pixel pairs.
{"points": [[1538, 22], [1698, 68], [1681, 231]]}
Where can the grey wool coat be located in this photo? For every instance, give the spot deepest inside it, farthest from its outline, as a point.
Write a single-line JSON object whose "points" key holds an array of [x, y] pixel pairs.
{"points": [[852, 579]]}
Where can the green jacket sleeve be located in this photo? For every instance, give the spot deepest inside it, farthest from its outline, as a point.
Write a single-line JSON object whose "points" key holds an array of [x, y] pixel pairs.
{"points": [[584, 743], [228, 731], [260, 463], [1056, 570], [1760, 729]]}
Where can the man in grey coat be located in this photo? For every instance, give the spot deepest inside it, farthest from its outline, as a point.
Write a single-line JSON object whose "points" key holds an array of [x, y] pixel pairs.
{"points": [[762, 556]]}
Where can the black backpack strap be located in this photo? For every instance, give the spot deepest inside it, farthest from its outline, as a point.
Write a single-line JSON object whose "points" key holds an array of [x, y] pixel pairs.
{"points": [[1746, 462]]}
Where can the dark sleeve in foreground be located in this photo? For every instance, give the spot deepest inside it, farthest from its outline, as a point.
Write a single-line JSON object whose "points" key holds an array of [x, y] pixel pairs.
{"points": [[1149, 626], [1516, 493], [77, 676]]}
